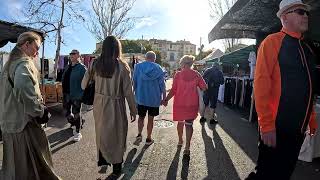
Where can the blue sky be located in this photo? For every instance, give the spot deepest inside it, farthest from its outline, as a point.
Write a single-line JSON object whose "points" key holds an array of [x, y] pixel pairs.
{"points": [[163, 19]]}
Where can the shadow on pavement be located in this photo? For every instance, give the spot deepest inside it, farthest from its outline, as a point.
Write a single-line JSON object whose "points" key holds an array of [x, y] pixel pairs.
{"points": [[185, 167], [58, 119], [60, 137], [172, 172], [244, 133], [130, 167], [219, 163], [62, 146]]}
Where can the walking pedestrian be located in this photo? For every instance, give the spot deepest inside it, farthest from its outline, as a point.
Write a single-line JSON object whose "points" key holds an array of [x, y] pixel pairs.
{"points": [[150, 90], [72, 92], [113, 85], [214, 78], [26, 152], [284, 93], [185, 110]]}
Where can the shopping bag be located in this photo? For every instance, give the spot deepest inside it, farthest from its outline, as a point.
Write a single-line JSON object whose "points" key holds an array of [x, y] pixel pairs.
{"points": [[306, 151]]}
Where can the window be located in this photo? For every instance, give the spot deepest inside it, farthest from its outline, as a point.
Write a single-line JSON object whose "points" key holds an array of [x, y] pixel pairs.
{"points": [[171, 56]]}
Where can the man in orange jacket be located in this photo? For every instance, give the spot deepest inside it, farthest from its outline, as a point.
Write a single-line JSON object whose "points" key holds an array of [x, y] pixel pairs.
{"points": [[284, 93]]}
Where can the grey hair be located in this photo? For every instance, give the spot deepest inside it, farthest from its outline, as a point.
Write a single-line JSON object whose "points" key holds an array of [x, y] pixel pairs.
{"points": [[151, 55]]}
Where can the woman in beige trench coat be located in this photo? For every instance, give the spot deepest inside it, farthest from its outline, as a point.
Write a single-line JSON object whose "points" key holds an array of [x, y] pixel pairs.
{"points": [[113, 85]]}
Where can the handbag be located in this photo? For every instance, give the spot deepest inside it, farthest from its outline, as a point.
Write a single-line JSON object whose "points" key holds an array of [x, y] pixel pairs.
{"points": [[88, 94]]}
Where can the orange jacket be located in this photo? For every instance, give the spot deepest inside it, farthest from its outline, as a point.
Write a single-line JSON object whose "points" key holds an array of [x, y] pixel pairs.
{"points": [[283, 83]]}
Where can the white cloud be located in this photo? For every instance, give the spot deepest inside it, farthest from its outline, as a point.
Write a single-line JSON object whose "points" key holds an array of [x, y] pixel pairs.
{"points": [[147, 21], [14, 7], [181, 19]]}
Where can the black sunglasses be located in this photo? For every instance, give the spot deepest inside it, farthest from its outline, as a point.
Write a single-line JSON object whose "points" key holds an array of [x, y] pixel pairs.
{"points": [[301, 12]]}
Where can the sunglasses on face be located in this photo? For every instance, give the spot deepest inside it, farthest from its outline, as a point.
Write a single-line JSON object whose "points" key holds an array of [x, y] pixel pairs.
{"points": [[300, 12], [73, 53]]}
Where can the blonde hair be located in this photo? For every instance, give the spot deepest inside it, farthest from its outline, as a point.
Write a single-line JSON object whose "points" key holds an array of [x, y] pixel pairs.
{"points": [[16, 52], [187, 60]]}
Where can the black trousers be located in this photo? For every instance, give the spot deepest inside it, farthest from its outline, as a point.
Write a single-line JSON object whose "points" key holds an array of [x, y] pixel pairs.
{"points": [[279, 163], [73, 106]]}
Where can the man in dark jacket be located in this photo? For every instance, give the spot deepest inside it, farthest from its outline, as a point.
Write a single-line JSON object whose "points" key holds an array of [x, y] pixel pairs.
{"points": [[72, 91], [214, 78]]}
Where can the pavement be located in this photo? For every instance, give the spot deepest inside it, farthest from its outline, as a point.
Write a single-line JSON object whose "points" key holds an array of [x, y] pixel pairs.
{"points": [[225, 151]]}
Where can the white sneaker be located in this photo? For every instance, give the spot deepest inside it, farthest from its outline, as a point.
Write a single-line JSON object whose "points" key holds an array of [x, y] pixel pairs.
{"points": [[77, 137]]}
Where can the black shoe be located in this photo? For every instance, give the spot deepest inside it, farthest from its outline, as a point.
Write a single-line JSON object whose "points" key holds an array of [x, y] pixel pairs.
{"points": [[213, 121], [102, 161], [149, 142], [252, 176], [202, 120], [117, 169]]}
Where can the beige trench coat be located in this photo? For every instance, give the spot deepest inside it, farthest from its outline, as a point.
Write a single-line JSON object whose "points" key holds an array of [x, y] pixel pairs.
{"points": [[109, 110]]}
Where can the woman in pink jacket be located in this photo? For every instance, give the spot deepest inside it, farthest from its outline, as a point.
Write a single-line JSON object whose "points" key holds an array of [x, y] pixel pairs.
{"points": [[186, 100]]}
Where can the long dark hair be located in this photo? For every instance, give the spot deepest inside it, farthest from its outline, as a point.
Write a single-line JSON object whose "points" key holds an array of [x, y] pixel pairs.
{"points": [[110, 55]]}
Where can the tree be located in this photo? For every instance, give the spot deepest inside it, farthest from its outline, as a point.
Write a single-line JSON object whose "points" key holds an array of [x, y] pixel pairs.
{"points": [[51, 16], [203, 54], [200, 49], [218, 9], [4, 52], [130, 46], [235, 47], [147, 47], [110, 17], [158, 58]]}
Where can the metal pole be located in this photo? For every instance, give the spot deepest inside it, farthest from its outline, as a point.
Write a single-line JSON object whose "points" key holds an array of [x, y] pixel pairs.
{"points": [[42, 65]]}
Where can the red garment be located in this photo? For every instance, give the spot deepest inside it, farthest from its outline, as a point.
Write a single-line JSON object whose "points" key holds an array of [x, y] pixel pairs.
{"points": [[186, 99]]}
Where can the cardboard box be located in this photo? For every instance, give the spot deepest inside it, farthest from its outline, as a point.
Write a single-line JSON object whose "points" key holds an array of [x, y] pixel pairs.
{"points": [[51, 89], [51, 98]]}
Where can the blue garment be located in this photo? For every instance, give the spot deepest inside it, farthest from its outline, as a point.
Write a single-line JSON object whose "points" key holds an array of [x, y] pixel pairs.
{"points": [[75, 91], [148, 84], [213, 77]]}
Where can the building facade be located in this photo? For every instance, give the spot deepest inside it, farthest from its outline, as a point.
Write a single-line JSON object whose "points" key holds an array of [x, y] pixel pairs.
{"points": [[171, 52]]}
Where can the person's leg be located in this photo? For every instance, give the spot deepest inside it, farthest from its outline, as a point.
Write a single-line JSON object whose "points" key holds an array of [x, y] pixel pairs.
{"points": [[140, 124], [278, 163], [213, 105], [117, 168], [288, 149], [150, 126], [142, 111], [76, 106], [189, 132], [180, 131], [152, 112], [206, 103], [67, 108]]}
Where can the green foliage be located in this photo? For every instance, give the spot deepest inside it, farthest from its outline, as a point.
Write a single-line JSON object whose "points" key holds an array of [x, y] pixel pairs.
{"points": [[158, 59], [3, 52], [130, 46], [203, 55], [147, 47]]}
